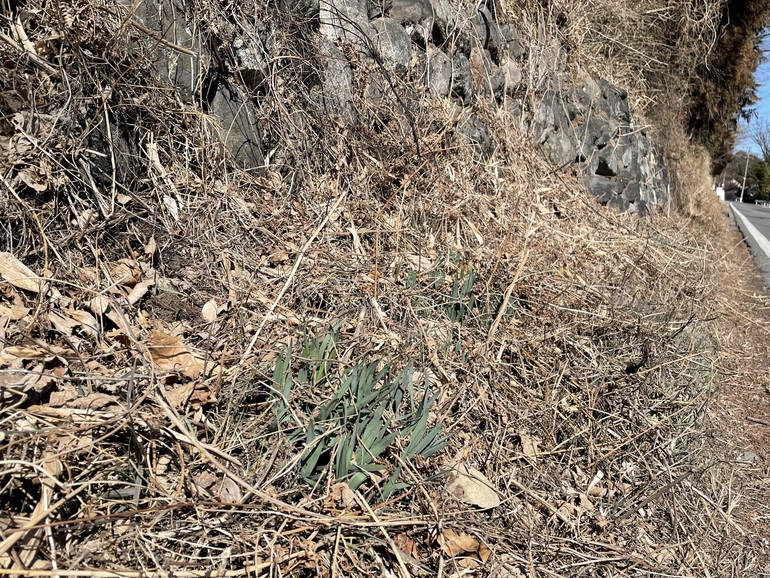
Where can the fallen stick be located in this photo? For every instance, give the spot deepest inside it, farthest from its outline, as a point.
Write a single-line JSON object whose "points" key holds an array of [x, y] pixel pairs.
{"points": [[758, 420]]}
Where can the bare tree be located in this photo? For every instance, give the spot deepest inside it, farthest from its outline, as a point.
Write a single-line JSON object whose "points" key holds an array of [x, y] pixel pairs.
{"points": [[759, 134]]}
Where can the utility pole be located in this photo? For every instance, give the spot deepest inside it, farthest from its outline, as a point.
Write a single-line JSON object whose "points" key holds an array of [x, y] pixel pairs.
{"points": [[746, 170]]}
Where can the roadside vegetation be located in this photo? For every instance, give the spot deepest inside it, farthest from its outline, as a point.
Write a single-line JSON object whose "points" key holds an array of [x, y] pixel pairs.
{"points": [[363, 361]]}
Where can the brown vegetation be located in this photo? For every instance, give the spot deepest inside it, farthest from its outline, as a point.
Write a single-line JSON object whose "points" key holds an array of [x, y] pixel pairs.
{"points": [[151, 313]]}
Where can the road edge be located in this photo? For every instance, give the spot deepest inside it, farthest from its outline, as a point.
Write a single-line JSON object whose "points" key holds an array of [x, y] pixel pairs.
{"points": [[759, 245]]}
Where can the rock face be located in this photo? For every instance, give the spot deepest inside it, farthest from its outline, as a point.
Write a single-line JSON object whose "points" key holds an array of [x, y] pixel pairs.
{"points": [[461, 55], [199, 80], [590, 124], [392, 44]]}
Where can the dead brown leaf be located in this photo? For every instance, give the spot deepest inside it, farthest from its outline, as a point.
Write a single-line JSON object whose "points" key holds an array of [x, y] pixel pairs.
{"points": [[61, 397], [62, 323], [139, 291], [454, 544], [22, 352], [340, 494], [470, 486], [406, 544], [180, 395], [171, 354], [93, 401], [99, 304], [125, 272], [88, 323], [14, 312], [229, 491], [529, 444], [18, 274], [204, 480]]}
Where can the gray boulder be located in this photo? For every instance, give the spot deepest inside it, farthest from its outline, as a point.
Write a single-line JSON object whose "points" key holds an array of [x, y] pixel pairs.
{"points": [[492, 78], [336, 96], [559, 146], [392, 44], [615, 101], [474, 129], [462, 79], [237, 127], [618, 203], [602, 188], [641, 207], [487, 33], [511, 76], [167, 19], [511, 38], [439, 74], [251, 49], [346, 21], [411, 11], [632, 192], [446, 18]]}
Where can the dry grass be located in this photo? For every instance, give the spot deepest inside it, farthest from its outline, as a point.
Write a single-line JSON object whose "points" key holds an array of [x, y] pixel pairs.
{"points": [[139, 431]]}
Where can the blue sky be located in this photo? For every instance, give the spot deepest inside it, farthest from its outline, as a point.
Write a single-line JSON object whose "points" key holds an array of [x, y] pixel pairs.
{"points": [[762, 76]]}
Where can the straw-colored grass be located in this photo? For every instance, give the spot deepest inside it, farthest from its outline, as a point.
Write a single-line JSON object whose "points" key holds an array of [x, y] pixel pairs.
{"points": [[140, 427]]}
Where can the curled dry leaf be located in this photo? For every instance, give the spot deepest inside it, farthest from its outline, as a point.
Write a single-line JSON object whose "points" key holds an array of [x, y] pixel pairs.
{"points": [[529, 445], [14, 312], [229, 492], [470, 486], [18, 274], [21, 352], [139, 291], [180, 394], [62, 323], [150, 247], [204, 480], [99, 304], [406, 544], [93, 401], [171, 354], [341, 494], [125, 272], [209, 311], [420, 263], [454, 544], [65, 394], [33, 178], [88, 323]]}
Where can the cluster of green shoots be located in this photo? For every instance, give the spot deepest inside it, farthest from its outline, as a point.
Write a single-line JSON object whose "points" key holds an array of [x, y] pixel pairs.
{"points": [[357, 424]]}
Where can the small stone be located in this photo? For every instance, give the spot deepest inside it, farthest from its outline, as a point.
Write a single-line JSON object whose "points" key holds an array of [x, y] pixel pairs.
{"points": [[167, 19], [559, 147], [642, 208], [345, 20], [337, 96], [615, 101], [411, 11], [750, 457], [512, 37], [619, 203], [237, 123], [253, 55]]}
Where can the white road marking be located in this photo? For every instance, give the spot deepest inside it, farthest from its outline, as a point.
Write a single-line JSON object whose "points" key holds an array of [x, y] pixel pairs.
{"points": [[761, 240]]}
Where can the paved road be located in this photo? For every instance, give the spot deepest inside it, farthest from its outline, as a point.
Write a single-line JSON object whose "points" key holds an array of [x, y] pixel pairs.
{"points": [[754, 223]]}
